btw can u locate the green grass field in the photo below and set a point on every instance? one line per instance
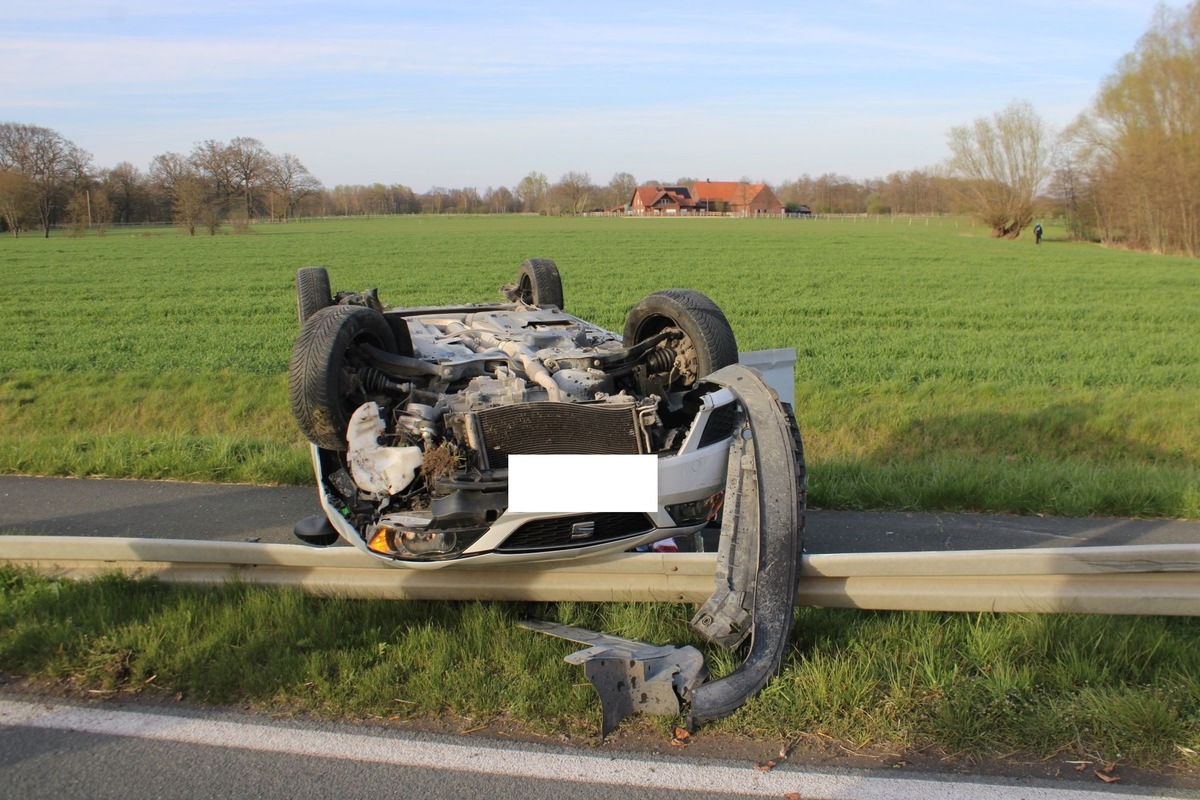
(937, 368)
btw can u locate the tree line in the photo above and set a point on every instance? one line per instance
(47, 180)
(1126, 172)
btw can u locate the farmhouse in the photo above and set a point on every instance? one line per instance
(659, 200)
(736, 198)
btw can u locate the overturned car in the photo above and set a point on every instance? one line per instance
(413, 414)
(420, 418)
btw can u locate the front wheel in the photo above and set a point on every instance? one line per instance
(705, 342)
(325, 384)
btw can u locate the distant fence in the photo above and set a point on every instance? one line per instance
(878, 219)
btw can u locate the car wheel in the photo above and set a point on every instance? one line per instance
(324, 383)
(312, 291)
(539, 284)
(707, 345)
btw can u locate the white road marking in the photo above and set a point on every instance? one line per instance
(620, 771)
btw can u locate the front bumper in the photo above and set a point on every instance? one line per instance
(693, 474)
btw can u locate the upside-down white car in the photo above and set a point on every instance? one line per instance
(414, 413)
(426, 423)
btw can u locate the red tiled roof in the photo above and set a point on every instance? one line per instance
(727, 191)
(650, 195)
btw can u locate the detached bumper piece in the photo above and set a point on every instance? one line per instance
(758, 561)
(759, 553)
(628, 675)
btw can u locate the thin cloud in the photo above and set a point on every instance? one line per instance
(308, 77)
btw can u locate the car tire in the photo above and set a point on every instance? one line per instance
(312, 291)
(324, 387)
(708, 343)
(539, 284)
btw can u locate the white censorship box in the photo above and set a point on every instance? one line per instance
(553, 484)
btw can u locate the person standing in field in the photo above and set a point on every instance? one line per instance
(1037, 233)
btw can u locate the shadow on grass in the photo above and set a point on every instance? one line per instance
(1066, 460)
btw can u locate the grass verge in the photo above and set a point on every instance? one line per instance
(971, 686)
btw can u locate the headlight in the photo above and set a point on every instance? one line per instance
(408, 536)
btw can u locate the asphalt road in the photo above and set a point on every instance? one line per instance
(166, 509)
(106, 759)
(55, 748)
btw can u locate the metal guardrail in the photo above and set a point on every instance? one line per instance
(1136, 579)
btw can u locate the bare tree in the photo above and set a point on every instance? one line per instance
(621, 188)
(187, 191)
(435, 200)
(189, 203)
(101, 210)
(126, 189)
(211, 160)
(250, 164)
(573, 192)
(532, 191)
(16, 199)
(1003, 163)
(52, 164)
(89, 208)
(466, 200)
(169, 168)
(500, 200)
(78, 212)
(293, 182)
(1070, 190)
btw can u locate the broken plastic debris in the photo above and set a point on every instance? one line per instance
(378, 470)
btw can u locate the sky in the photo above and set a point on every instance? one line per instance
(480, 94)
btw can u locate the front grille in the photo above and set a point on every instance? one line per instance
(558, 533)
(549, 428)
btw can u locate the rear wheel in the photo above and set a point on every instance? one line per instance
(539, 284)
(312, 291)
(706, 342)
(325, 384)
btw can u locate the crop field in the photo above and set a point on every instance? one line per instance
(937, 368)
